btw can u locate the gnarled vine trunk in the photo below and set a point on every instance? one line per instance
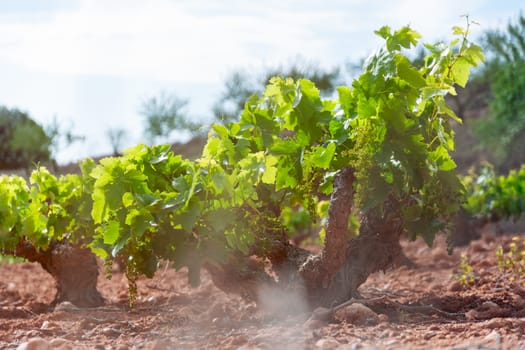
(345, 263)
(376, 248)
(74, 269)
(333, 276)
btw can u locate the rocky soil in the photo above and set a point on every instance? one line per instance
(421, 306)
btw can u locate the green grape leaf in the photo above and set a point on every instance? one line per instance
(139, 222)
(460, 71)
(270, 170)
(99, 211)
(474, 54)
(287, 146)
(189, 217)
(322, 156)
(221, 130)
(120, 244)
(127, 199)
(287, 174)
(408, 73)
(384, 32)
(111, 232)
(98, 248)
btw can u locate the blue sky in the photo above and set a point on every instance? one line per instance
(91, 63)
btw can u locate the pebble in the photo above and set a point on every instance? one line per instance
(518, 301)
(489, 305)
(357, 314)
(362, 346)
(66, 306)
(60, 343)
(487, 310)
(383, 318)
(394, 333)
(85, 323)
(122, 347)
(429, 335)
(327, 344)
(49, 326)
(42, 344)
(472, 315)
(11, 287)
(496, 323)
(157, 345)
(33, 334)
(238, 341)
(390, 342)
(263, 339)
(493, 336)
(384, 334)
(111, 332)
(34, 344)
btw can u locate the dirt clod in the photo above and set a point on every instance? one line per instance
(357, 314)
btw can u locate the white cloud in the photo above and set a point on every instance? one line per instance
(199, 41)
(128, 41)
(160, 39)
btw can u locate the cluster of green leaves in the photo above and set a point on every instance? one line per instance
(146, 205)
(44, 209)
(391, 126)
(150, 204)
(402, 138)
(494, 197)
(240, 85)
(298, 222)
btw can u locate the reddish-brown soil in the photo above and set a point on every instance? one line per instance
(423, 307)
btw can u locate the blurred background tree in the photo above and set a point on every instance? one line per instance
(116, 137)
(23, 142)
(164, 114)
(501, 130)
(61, 136)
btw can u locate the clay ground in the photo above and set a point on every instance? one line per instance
(423, 307)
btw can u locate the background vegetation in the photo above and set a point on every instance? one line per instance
(492, 108)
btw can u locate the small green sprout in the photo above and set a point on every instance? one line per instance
(465, 276)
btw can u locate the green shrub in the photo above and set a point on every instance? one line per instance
(23, 142)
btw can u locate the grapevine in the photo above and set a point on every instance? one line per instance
(379, 150)
(494, 197)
